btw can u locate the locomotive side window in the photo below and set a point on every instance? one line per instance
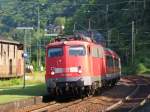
(54, 52)
(95, 52)
(77, 50)
(100, 52)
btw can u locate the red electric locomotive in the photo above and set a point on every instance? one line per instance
(78, 64)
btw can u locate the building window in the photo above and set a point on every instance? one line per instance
(4, 58)
(14, 51)
(8, 50)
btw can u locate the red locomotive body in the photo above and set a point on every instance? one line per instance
(81, 64)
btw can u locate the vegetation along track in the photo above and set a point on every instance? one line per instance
(131, 90)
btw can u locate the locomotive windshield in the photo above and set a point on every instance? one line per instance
(77, 50)
(54, 52)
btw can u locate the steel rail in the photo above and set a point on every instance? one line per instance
(129, 97)
(144, 101)
(116, 105)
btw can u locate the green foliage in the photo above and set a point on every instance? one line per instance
(60, 21)
(11, 82)
(128, 70)
(35, 65)
(69, 26)
(118, 22)
(15, 81)
(115, 19)
(141, 68)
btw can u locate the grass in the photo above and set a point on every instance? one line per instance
(9, 83)
(13, 94)
(11, 90)
(34, 78)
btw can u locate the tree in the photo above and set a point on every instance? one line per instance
(60, 21)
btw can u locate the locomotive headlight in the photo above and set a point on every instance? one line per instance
(52, 72)
(80, 71)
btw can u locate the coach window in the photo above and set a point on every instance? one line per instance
(116, 62)
(8, 50)
(55, 52)
(109, 61)
(77, 50)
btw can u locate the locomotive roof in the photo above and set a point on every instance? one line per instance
(73, 40)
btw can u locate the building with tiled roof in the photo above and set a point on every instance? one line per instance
(11, 60)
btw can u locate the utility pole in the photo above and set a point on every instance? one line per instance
(25, 55)
(38, 17)
(118, 38)
(74, 27)
(144, 4)
(25, 51)
(107, 29)
(38, 48)
(89, 29)
(133, 41)
(30, 48)
(40, 53)
(109, 37)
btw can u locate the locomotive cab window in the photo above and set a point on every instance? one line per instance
(77, 50)
(55, 52)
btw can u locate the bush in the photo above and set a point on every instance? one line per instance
(15, 81)
(35, 66)
(128, 70)
(10, 82)
(141, 68)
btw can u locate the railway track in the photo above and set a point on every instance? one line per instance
(133, 101)
(127, 96)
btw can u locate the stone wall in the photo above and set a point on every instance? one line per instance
(11, 61)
